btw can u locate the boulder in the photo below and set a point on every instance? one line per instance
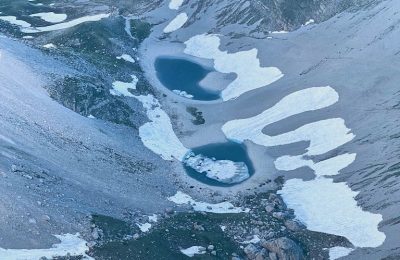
(251, 251)
(294, 225)
(284, 248)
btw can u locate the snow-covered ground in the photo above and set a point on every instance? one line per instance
(175, 4)
(121, 88)
(51, 17)
(194, 250)
(245, 64)
(70, 245)
(176, 23)
(321, 204)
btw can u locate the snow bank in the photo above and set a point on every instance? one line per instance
(329, 207)
(298, 102)
(181, 198)
(144, 227)
(176, 23)
(245, 64)
(175, 4)
(126, 57)
(158, 135)
(321, 204)
(65, 25)
(70, 244)
(121, 88)
(13, 20)
(338, 252)
(224, 171)
(51, 17)
(194, 250)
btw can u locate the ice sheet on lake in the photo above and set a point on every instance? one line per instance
(224, 171)
(194, 250)
(181, 198)
(176, 23)
(245, 64)
(175, 4)
(70, 244)
(51, 17)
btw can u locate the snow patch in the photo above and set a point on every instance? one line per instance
(176, 23)
(338, 252)
(175, 4)
(51, 17)
(182, 93)
(158, 135)
(13, 20)
(194, 250)
(65, 25)
(70, 244)
(126, 57)
(144, 227)
(121, 88)
(49, 46)
(181, 198)
(245, 64)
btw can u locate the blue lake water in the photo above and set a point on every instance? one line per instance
(220, 151)
(184, 75)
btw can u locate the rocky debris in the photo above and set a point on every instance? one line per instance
(284, 248)
(198, 227)
(169, 211)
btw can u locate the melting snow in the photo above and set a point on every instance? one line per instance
(224, 171)
(122, 88)
(70, 244)
(176, 23)
(245, 64)
(126, 57)
(181, 198)
(321, 204)
(194, 250)
(175, 4)
(51, 17)
(338, 252)
(65, 25)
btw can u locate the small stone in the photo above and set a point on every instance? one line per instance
(32, 221)
(198, 227)
(210, 247)
(279, 215)
(269, 208)
(16, 168)
(95, 234)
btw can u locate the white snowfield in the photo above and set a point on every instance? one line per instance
(338, 252)
(245, 64)
(158, 135)
(224, 171)
(70, 244)
(175, 4)
(321, 204)
(121, 88)
(51, 17)
(177, 23)
(13, 20)
(194, 250)
(65, 25)
(126, 57)
(181, 198)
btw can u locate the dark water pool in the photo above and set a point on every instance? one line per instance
(184, 75)
(220, 151)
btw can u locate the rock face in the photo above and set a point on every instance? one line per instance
(284, 248)
(275, 15)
